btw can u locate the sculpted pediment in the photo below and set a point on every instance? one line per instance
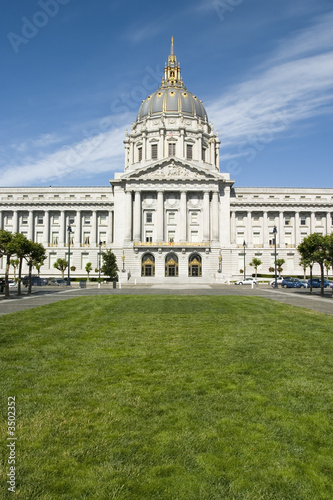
(171, 171)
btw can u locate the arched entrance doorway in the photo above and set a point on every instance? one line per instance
(195, 265)
(148, 265)
(171, 265)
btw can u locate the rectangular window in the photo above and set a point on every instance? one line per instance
(86, 239)
(203, 154)
(172, 149)
(154, 151)
(287, 221)
(40, 219)
(55, 239)
(55, 219)
(171, 217)
(149, 217)
(194, 217)
(256, 238)
(102, 220)
(288, 239)
(86, 219)
(189, 151)
(140, 154)
(24, 219)
(9, 219)
(194, 236)
(149, 236)
(319, 219)
(39, 237)
(303, 221)
(171, 236)
(102, 238)
(71, 219)
(240, 238)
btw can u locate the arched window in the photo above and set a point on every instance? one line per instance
(171, 265)
(148, 265)
(195, 265)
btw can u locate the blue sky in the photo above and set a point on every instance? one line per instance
(74, 73)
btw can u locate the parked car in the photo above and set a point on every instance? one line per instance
(35, 281)
(12, 283)
(246, 281)
(57, 282)
(316, 283)
(294, 283)
(279, 281)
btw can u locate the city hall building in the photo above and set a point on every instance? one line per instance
(170, 215)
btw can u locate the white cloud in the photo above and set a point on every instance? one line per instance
(100, 153)
(284, 91)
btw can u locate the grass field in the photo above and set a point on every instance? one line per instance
(169, 397)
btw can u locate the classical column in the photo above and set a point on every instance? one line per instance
(328, 223)
(160, 217)
(206, 216)
(15, 221)
(144, 146)
(265, 231)
(31, 226)
(225, 217)
(128, 216)
(160, 147)
(280, 237)
(233, 228)
(215, 216)
(62, 229)
(183, 217)
(137, 217)
(109, 233)
(93, 235)
(296, 229)
(1, 220)
(77, 234)
(249, 228)
(46, 232)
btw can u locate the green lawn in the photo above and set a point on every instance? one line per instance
(169, 397)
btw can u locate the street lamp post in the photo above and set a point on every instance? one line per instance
(244, 245)
(123, 259)
(99, 264)
(69, 230)
(275, 233)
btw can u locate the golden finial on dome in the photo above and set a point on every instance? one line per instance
(172, 70)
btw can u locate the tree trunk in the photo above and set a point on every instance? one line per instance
(311, 278)
(6, 277)
(30, 272)
(19, 292)
(322, 277)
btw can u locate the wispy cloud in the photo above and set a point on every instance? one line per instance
(295, 83)
(100, 153)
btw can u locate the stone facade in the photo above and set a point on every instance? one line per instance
(170, 216)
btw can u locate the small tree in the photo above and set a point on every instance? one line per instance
(271, 269)
(307, 249)
(88, 268)
(109, 267)
(255, 263)
(61, 265)
(304, 263)
(7, 249)
(36, 255)
(15, 263)
(38, 265)
(279, 264)
(73, 268)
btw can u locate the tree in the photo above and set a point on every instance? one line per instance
(271, 269)
(88, 268)
(305, 263)
(329, 248)
(255, 263)
(22, 246)
(36, 254)
(73, 268)
(15, 263)
(109, 267)
(61, 265)
(314, 248)
(279, 264)
(7, 249)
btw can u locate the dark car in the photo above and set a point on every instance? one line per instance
(316, 283)
(293, 283)
(35, 281)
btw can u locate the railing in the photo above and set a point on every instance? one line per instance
(170, 244)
